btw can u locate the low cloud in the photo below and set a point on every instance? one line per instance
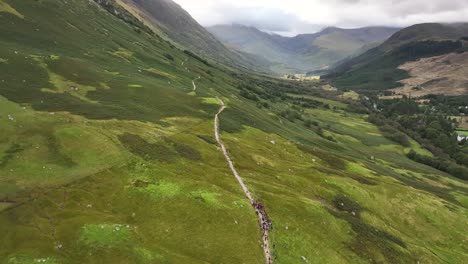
(305, 16)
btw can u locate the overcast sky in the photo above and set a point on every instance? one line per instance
(290, 17)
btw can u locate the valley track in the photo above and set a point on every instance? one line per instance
(193, 83)
(263, 219)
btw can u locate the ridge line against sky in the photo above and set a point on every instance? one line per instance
(294, 17)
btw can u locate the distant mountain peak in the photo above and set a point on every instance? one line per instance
(304, 52)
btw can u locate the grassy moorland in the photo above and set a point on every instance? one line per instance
(107, 155)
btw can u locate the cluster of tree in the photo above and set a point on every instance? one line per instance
(292, 114)
(428, 124)
(169, 56)
(308, 103)
(198, 58)
(451, 105)
(445, 165)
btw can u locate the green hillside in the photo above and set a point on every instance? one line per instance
(377, 69)
(107, 155)
(173, 22)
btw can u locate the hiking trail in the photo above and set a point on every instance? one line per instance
(264, 221)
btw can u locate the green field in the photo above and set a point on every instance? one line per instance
(332, 103)
(107, 155)
(462, 132)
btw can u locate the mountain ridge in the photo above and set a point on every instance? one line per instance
(304, 52)
(169, 19)
(381, 68)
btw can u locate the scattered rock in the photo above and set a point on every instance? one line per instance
(273, 142)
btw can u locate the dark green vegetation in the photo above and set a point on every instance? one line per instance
(430, 125)
(303, 53)
(377, 69)
(107, 157)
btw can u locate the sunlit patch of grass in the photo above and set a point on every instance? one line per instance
(25, 259)
(323, 100)
(87, 147)
(163, 189)
(105, 236)
(5, 7)
(159, 73)
(104, 85)
(145, 256)
(54, 57)
(135, 85)
(358, 169)
(62, 85)
(4, 61)
(328, 87)
(124, 54)
(351, 95)
(209, 198)
(211, 100)
(115, 73)
(415, 146)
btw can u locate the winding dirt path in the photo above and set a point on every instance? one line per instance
(193, 83)
(263, 219)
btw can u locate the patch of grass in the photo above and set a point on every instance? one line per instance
(368, 238)
(145, 150)
(209, 198)
(158, 73)
(208, 139)
(10, 153)
(350, 95)
(5, 7)
(187, 151)
(25, 259)
(105, 236)
(161, 190)
(211, 100)
(124, 54)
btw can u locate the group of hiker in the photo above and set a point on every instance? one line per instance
(265, 221)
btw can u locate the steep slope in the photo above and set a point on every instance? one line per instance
(446, 74)
(302, 53)
(108, 155)
(382, 68)
(167, 17)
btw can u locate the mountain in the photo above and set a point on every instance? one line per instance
(169, 19)
(118, 145)
(398, 63)
(302, 53)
